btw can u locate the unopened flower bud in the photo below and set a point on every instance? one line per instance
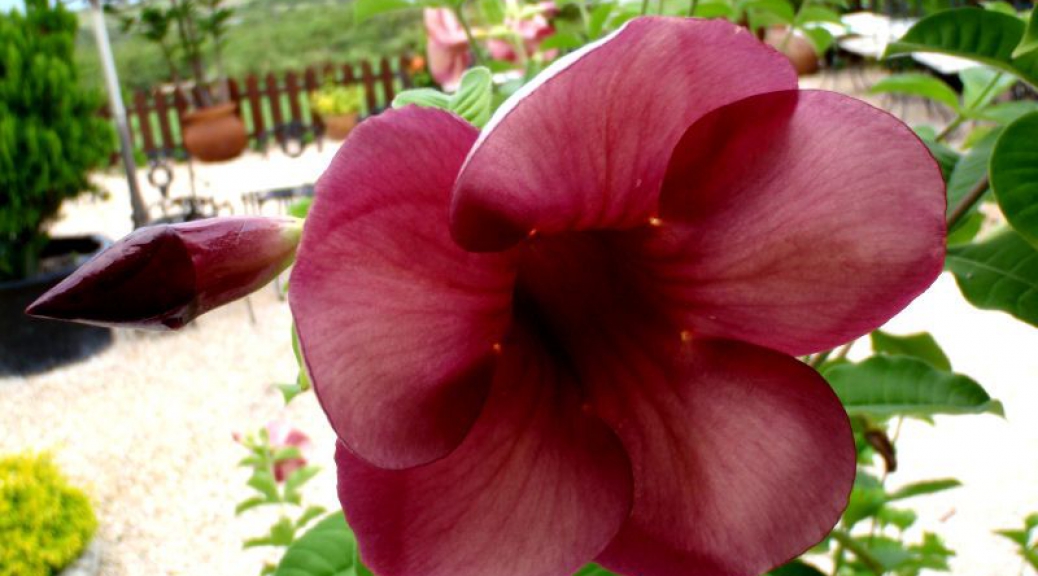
(162, 277)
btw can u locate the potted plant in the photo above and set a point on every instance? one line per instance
(186, 32)
(46, 525)
(339, 107)
(50, 138)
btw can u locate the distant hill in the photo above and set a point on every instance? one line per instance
(266, 36)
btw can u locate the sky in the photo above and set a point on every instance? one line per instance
(6, 5)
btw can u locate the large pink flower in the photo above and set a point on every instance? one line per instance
(569, 337)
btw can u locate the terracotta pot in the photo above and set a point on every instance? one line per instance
(215, 133)
(798, 50)
(339, 127)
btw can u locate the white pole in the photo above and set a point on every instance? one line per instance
(118, 110)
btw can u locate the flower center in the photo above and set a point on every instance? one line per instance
(575, 288)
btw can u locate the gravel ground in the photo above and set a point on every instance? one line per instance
(146, 426)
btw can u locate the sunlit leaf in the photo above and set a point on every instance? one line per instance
(884, 386)
(921, 346)
(1014, 175)
(1029, 42)
(473, 99)
(1000, 273)
(923, 488)
(980, 35)
(916, 84)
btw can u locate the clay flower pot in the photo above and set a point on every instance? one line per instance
(338, 127)
(215, 133)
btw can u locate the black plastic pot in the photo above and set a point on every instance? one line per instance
(31, 345)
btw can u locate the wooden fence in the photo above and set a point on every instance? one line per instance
(275, 108)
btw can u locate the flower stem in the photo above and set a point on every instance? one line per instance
(692, 8)
(962, 115)
(968, 201)
(847, 541)
(645, 7)
(459, 13)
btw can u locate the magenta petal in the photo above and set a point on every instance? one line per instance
(538, 488)
(743, 457)
(397, 324)
(796, 222)
(586, 144)
(162, 277)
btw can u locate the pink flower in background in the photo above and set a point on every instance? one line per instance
(532, 30)
(447, 47)
(162, 277)
(571, 337)
(283, 435)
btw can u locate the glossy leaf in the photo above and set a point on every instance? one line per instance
(981, 35)
(921, 346)
(915, 84)
(970, 170)
(327, 549)
(1029, 43)
(966, 230)
(923, 488)
(1014, 175)
(981, 85)
(1000, 273)
(813, 13)
(599, 16)
(1007, 112)
(884, 386)
(473, 99)
(820, 38)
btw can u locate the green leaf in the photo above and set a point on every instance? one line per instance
(902, 386)
(967, 229)
(769, 12)
(1014, 175)
(1029, 42)
(1000, 273)
(474, 96)
(254, 542)
(264, 483)
(364, 9)
(1019, 536)
(813, 13)
(1006, 112)
(309, 514)
(249, 504)
(290, 391)
(562, 41)
(424, 97)
(981, 85)
(715, 10)
(903, 519)
(866, 499)
(1000, 6)
(287, 453)
(918, 85)
(979, 35)
(283, 532)
(299, 477)
(820, 38)
(326, 549)
(796, 568)
(945, 156)
(593, 570)
(923, 488)
(921, 346)
(493, 11)
(971, 169)
(599, 16)
(300, 207)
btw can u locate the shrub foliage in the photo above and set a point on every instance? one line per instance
(50, 133)
(44, 522)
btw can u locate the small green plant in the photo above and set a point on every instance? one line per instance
(336, 100)
(1026, 539)
(51, 135)
(45, 523)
